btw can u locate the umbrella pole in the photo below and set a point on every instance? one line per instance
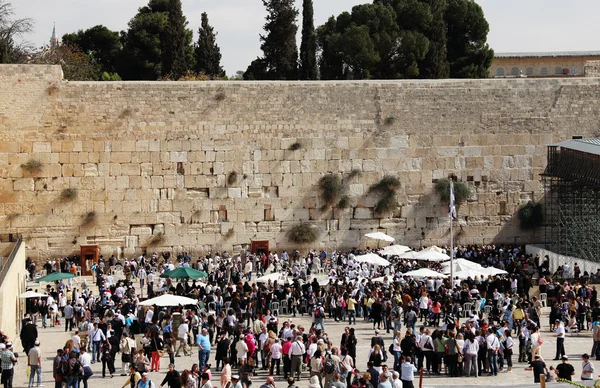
(451, 237)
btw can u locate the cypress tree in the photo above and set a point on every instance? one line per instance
(308, 47)
(175, 61)
(208, 53)
(280, 60)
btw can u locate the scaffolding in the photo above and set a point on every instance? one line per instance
(572, 198)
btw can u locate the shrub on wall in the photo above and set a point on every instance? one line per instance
(33, 166)
(232, 178)
(302, 234)
(531, 215)
(69, 194)
(89, 219)
(461, 191)
(295, 146)
(330, 188)
(386, 190)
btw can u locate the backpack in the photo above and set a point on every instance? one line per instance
(319, 313)
(329, 366)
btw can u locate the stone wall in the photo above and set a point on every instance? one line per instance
(592, 69)
(157, 158)
(541, 66)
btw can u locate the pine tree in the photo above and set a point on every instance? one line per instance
(308, 47)
(435, 64)
(175, 61)
(280, 61)
(208, 53)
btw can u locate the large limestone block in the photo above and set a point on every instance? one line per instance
(23, 184)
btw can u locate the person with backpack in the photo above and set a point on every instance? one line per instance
(145, 382)
(72, 369)
(331, 366)
(319, 316)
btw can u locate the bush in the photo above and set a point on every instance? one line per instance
(302, 234)
(232, 178)
(330, 188)
(294, 147)
(386, 189)
(461, 191)
(344, 202)
(531, 215)
(354, 173)
(69, 194)
(390, 120)
(89, 219)
(32, 166)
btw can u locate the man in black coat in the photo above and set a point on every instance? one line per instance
(28, 335)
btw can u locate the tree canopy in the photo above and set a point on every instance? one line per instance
(280, 59)
(308, 47)
(10, 29)
(207, 52)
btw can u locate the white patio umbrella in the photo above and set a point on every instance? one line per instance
(469, 273)
(461, 265)
(32, 294)
(168, 300)
(425, 273)
(408, 255)
(431, 255)
(371, 258)
(274, 277)
(494, 271)
(435, 248)
(394, 250)
(383, 280)
(379, 236)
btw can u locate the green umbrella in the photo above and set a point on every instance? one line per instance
(184, 273)
(56, 276)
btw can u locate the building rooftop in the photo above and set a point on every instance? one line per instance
(549, 54)
(590, 146)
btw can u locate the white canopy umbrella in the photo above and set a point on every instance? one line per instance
(431, 256)
(425, 273)
(168, 300)
(394, 250)
(469, 273)
(372, 258)
(408, 255)
(274, 277)
(494, 271)
(461, 265)
(435, 248)
(382, 279)
(380, 236)
(32, 294)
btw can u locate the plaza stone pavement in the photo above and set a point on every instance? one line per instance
(575, 345)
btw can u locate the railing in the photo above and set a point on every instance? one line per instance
(6, 262)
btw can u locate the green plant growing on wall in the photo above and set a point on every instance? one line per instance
(89, 219)
(232, 178)
(390, 120)
(302, 234)
(69, 194)
(344, 202)
(157, 239)
(461, 191)
(531, 215)
(386, 190)
(330, 189)
(354, 174)
(295, 146)
(220, 96)
(33, 166)
(229, 234)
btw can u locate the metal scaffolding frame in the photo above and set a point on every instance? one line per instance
(572, 199)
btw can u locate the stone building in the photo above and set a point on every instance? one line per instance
(543, 64)
(199, 166)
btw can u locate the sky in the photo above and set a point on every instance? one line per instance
(515, 25)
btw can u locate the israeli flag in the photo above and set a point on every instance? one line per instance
(452, 210)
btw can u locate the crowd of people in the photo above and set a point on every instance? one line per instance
(248, 326)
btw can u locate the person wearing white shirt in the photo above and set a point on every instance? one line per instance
(86, 364)
(297, 351)
(275, 351)
(241, 348)
(183, 333)
(560, 339)
(493, 346)
(470, 349)
(408, 373)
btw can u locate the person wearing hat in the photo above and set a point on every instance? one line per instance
(34, 361)
(145, 382)
(235, 382)
(565, 370)
(319, 316)
(7, 359)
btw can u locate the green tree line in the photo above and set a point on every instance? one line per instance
(385, 39)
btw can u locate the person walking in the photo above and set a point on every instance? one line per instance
(565, 370)
(34, 362)
(560, 339)
(297, 352)
(203, 342)
(407, 373)
(68, 313)
(7, 361)
(508, 350)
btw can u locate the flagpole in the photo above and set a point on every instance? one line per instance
(451, 237)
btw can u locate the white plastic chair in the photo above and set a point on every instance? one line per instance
(467, 308)
(544, 299)
(275, 308)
